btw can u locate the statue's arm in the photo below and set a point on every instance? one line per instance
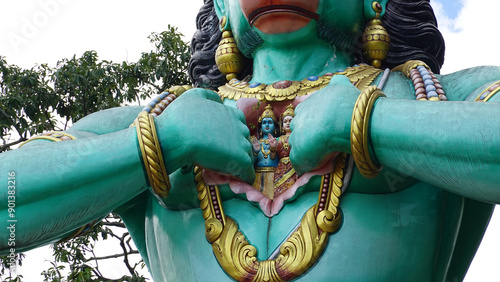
(454, 145)
(61, 186)
(58, 187)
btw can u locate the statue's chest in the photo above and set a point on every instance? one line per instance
(177, 239)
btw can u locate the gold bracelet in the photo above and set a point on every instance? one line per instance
(151, 154)
(359, 131)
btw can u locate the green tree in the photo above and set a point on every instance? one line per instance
(42, 98)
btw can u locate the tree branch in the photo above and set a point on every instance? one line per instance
(50, 121)
(4, 147)
(154, 85)
(110, 256)
(116, 224)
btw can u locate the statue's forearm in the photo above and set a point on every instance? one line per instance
(61, 186)
(453, 145)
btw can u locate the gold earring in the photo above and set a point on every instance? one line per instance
(228, 57)
(375, 39)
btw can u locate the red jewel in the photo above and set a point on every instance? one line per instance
(282, 84)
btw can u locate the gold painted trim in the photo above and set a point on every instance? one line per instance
(408, 66)
(492, 93)
(361, 76)
(297, 255)
(50, 137)
(360, 131)
(284, 178)
(265, 169)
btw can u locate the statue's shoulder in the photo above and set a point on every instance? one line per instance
(470, 84)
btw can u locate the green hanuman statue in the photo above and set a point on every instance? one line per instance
(319, 143)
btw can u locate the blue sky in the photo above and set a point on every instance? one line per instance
(451, 7)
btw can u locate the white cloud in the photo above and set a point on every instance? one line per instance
(471, 37)
(32, 31)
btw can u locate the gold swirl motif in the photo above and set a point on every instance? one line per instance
(213, 229)
(301, 250)
(267, 272)
(151, 154)
(328, 220)
(359, 131)
(235, 255)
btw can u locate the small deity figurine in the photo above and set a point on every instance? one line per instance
(264, 150)
(284, 176)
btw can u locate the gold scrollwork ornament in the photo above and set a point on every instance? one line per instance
(296, 255)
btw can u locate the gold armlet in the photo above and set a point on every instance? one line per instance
(489, 92)
(425, 82)
(360, 131)
(54, 136)
(151, 154)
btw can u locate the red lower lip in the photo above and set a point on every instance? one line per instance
(254, 15)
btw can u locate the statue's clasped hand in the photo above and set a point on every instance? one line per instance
(322, 125)
(198, 129)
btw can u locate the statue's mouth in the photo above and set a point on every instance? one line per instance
(255, 14)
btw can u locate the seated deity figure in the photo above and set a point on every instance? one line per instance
(397, 167)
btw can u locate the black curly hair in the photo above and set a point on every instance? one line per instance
(411, 24)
